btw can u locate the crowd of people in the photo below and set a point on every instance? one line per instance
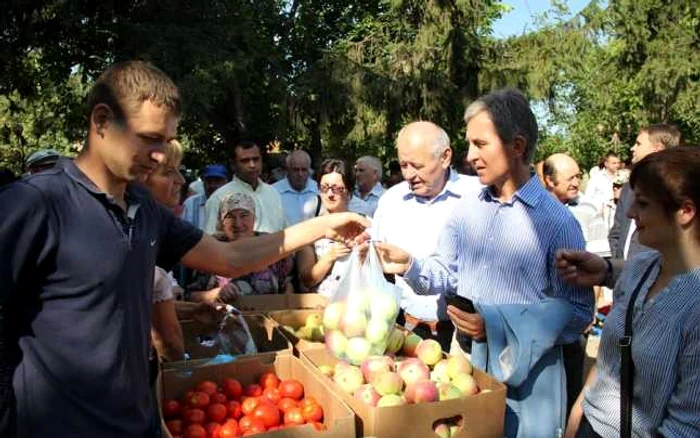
(102, 256)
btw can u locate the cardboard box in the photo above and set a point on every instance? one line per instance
(268, 303)
(295, 319)
(338, 418)
(266, 335)
(482, 415)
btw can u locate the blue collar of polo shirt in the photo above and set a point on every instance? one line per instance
(377, 191)
(529, 193)
(447, 190)
(68, 166)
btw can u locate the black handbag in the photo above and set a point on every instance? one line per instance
(626, 364)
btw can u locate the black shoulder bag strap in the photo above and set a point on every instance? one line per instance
(626, 364)
(318, 205)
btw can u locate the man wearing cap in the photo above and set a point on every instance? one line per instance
(41, 160)
(193, 210)
(299, 193)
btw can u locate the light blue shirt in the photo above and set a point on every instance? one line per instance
(414, 224)
(298, 205)
(665, 352)
(504, 253)
(193, 210)
(371, 198)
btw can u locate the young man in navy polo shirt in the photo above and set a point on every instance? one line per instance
(78, 245)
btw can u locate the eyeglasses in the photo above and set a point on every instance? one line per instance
(337, 190)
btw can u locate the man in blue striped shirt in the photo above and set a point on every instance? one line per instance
(498, 248)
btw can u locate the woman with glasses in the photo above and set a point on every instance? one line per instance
(323, 265)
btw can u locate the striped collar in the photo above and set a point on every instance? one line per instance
(529, 193)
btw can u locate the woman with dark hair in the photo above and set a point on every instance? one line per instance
(656, 309)
(323, 265)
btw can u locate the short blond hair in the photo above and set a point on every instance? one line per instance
(173, 153)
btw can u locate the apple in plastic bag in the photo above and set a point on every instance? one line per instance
(377, 331)
(384, 306)
(337, 343)
(332, 315)
(357, 350)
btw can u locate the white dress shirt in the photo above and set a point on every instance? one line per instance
(414, 224)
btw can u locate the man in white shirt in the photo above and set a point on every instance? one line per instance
(213, 176)
(600, 186)
(247, 167)
(298, 191)
(368, 179)
(412, 214)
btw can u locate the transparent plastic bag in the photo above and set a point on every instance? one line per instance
(362, 312)
(233, 336)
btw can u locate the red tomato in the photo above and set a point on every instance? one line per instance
(268, 414)
(207, 387)
(234, 409)
(193, 416)
(256, 426)
(232, 388)
(269, 380)
(253, 390)
(217, 412)
(294, 417)
(245, 422)
(213, 430)
(249, 405)
(291, 388)
(312, 412)
(199, 400)
(195, 431)
(272, 395)
(218, 397)
(286, 404)
(229, 429)
(171, 408)
(307, 401)
(174, 426)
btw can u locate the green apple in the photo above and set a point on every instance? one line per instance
(314, 320)
(410, 343)
(391, 400)
(377, 330)
(395, 342)
(357, 350)
(354, 323)
(333, 314)
(442, 430)
(454, 430)
(448, 391)
(305, 333)
(439, 373)
(384, 306)
(466, 384)
(457, 365)
(429, 351)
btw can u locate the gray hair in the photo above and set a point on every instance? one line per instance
(296, 154)
(440, 142)
(511, 115)
(373, 163)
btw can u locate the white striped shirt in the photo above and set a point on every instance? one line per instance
(665, 352)
(503, 253)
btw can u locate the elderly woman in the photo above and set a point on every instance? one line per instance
(164, 184)
(657, 298)
(236, 222)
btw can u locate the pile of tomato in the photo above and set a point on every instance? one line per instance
(231, 410)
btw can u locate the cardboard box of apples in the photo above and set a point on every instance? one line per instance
(274, 397)
(303, 328)
(415, 391)
(266, 336)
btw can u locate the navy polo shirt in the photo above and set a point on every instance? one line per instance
(76, 279)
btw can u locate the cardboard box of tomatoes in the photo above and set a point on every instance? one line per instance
(432, 404)
(269, 303)
(266, 336)
(304, 328)
(275, 397)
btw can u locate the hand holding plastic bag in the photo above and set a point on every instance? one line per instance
(361, 314)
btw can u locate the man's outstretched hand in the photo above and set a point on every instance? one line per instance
(581, 268)
(346, 227)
